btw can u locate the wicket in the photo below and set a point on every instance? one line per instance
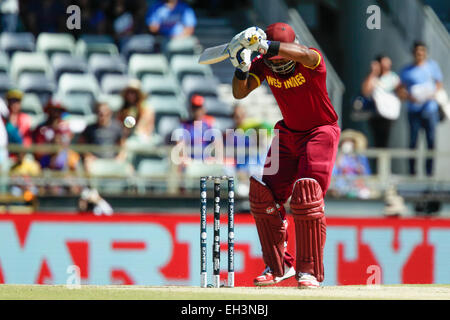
(216, 240)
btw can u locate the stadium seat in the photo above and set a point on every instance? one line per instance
(4, 63)
(11, 42)
(78, 83)
(140, 43)
(114, 101)
(85, 48)
(30, 62)
(5, 84)
(153, 173)
(102, 64)
(142, 64)
(153, 167)
(183, 46)
(64, 63)
(216, 107)
(38, 84)
(79, 111)
(169, 104)
(165, 124)
(51, 43)
(32, 106)
(110, 168)
(156, 85)
(183, 65)
(77, 104)
(96, 38)
(114, 83)
(198, 168)
(205, 86)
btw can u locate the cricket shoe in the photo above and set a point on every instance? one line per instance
(307, 281)
(268, 279)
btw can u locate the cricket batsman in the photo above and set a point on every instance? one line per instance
(308, 137)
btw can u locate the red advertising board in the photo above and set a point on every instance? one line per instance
(163, 249)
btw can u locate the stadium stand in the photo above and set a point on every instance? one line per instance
(142, 64)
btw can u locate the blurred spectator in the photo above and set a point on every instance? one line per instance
(379, 86)
(9, 10)
(171, 18)
(419, 83)
(351, 167)
(124, 22)
(107, 131)
(134, 105)
(4, 155)
(195, 127)
(91, 202)
(94, 16)
(64, 159)
(46, 132)
(26, 166)
(247, 140)
(45, 15)
(19, 121)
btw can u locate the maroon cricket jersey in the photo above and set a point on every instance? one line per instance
(301, 95)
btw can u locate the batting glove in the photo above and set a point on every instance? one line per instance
(249, 38)
(240, 57)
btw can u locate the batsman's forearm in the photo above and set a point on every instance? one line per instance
(240, 88)
(298, 52)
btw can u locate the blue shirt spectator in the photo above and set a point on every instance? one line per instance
(419, 83)
(171, 18)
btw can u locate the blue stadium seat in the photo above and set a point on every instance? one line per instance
(64, 63)
(102, 64)
(11, 42)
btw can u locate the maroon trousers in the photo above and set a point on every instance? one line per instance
(301, 154)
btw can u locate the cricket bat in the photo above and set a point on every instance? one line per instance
(218, 53)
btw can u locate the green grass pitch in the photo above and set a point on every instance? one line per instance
(90, 292)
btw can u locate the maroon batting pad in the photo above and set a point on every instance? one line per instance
(307, 206)
(271, 229)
